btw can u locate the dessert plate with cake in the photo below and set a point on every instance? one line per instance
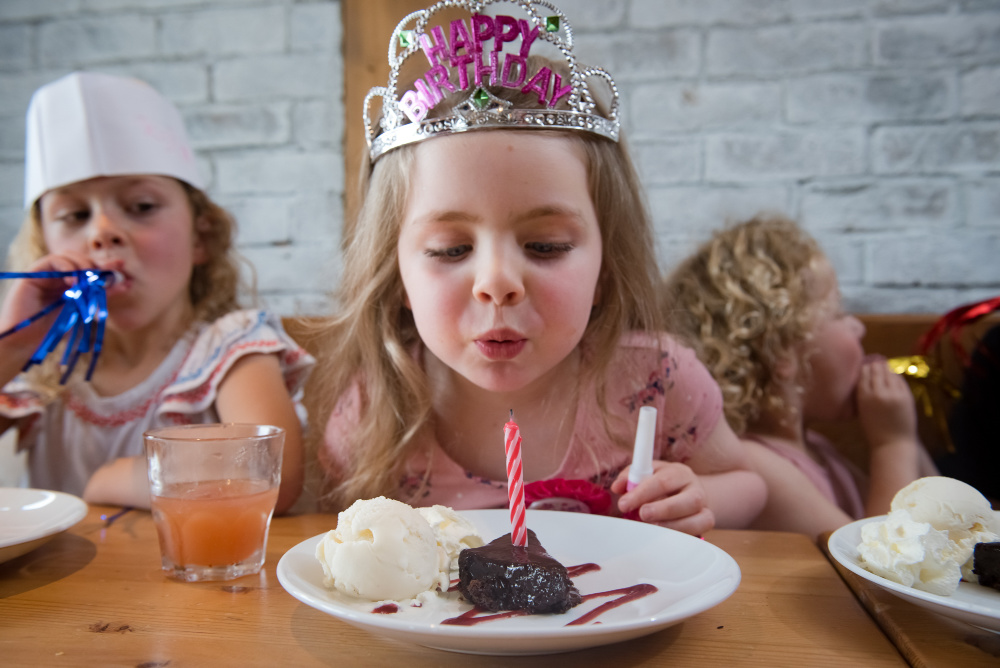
(633, 579)
(971, 603)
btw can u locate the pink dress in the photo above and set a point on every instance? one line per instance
(667, 376)
(835, 476)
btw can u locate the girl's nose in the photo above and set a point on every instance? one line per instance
(105, 233)
(498, 278)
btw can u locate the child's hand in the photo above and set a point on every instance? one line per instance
(28, 296)
(886, 408)
(672, 497)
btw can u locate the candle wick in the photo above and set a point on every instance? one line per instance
(511, 413)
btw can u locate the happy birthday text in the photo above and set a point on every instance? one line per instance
(463, 50)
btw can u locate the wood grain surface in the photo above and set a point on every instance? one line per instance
(95, 595)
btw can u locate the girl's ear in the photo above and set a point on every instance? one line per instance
(201, 228)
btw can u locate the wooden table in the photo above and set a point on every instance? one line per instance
(925, 638)
(95, 595)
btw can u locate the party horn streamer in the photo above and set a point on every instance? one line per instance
(83, 310)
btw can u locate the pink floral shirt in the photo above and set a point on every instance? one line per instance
(663, 374)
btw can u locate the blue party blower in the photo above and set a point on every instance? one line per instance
(83, 308)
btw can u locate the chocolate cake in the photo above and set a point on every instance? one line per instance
(500, 576)
(986, 564)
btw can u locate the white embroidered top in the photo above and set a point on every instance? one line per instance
(70, 438)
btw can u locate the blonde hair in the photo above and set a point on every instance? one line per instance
(743, 300)
(214, 286)
(371, 339)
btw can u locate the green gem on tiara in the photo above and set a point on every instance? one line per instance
(480, 98)
(551, 24)
(407, 38)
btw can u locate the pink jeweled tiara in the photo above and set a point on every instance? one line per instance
(472, 56)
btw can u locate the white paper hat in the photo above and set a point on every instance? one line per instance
(88, 124)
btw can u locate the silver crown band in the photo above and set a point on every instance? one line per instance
(405, 119)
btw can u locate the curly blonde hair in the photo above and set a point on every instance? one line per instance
(744, 300)
(373, 335)
(215, 285)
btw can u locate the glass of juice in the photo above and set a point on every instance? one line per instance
(213, 488)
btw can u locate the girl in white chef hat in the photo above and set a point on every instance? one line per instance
(112, 184)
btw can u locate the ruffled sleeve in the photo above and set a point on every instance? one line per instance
(220, 345)
(18, 400)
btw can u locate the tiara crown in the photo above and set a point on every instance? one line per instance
(472, 55)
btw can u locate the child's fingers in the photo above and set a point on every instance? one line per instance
(671, 508)
(882, 381)
(668, 479)
(697, 525)
(619, 484)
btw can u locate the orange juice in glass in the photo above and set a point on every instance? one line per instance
(213, 488)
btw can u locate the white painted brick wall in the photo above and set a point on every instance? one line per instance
(876, 123)
(873, 122)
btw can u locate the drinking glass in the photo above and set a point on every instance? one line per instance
(213, 488)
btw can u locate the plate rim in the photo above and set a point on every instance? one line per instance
(73, 511)
(543, 639)
(940, 603)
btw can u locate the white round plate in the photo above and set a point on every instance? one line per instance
(31, 517)
(971, 603)
(691, 576)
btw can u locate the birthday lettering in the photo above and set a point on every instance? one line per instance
(464, 50)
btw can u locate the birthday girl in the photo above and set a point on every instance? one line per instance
(112, 185)
(503, 260)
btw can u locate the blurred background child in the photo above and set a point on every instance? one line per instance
(509, 268)
(111, 183)
(761, 305)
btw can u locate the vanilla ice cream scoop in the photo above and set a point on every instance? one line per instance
(454, 533)
(381, 550)
(947, 504)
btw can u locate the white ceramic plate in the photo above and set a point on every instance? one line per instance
(690, 575)
(31, 517)
(971, 603)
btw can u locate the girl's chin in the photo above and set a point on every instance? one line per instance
(500, 381)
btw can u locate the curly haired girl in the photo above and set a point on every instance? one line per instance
(760, 303)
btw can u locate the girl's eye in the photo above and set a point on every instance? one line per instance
(548, 250)
(450, 253)
(143, 207)
(74, 217)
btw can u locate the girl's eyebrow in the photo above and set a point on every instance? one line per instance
(548, 210)
(544, 211)
(445, 216)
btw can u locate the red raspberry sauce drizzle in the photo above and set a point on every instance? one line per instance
(627, 594)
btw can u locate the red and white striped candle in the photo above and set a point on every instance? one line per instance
(515, 482)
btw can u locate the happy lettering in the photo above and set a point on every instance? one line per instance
(466, 52)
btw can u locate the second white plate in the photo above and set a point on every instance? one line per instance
(31, 517)
(971, 603)
(691, 576)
